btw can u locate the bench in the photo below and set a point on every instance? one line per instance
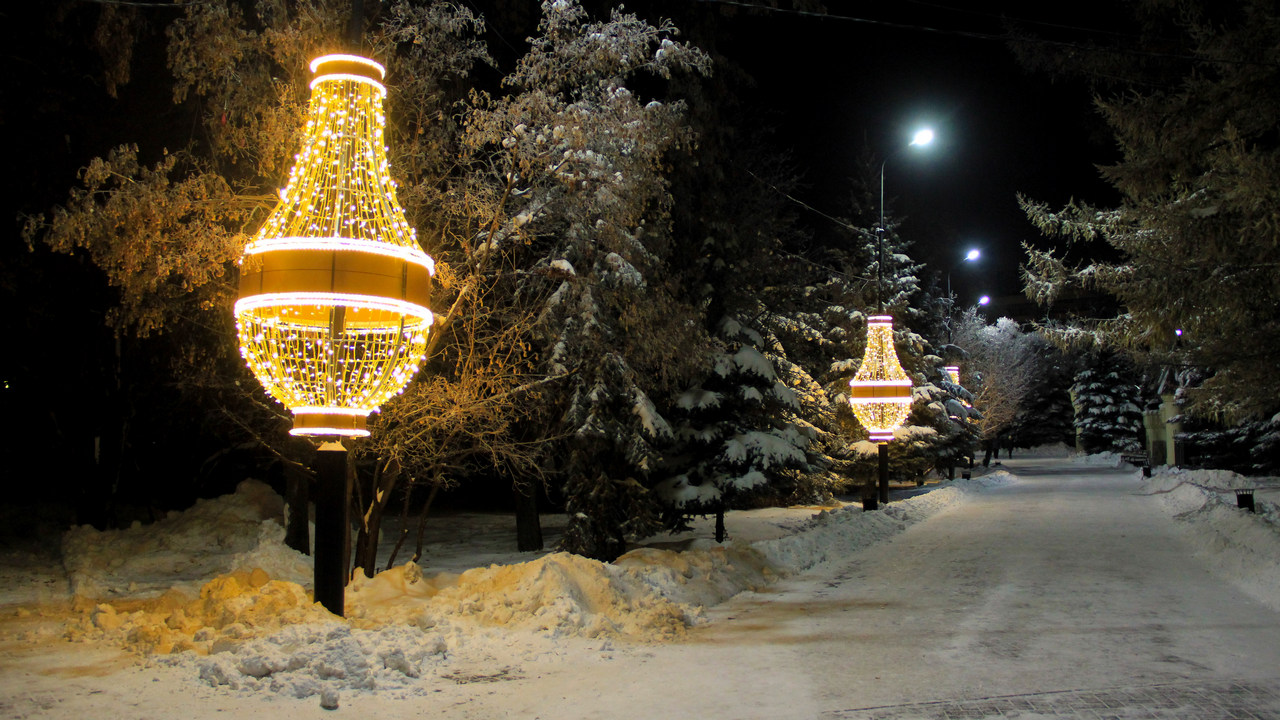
(1244, 499)
(1138, 461)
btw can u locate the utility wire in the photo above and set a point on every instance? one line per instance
(1002, 37)
(1024, 21)
(143, 4)
(807, 206)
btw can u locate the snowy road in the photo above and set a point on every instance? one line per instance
(1068, 594)
(1068, 589)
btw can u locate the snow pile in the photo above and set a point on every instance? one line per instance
(558, 595)
(229, 609)
(1057, 450)
(185, 549)
(324, 658)
(1243, 547)
(1101, 459)
(833, 534)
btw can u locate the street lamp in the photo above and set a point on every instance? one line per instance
(880, 393)
(984, 300)
(333, 314)
(921, 138)
(970, 256)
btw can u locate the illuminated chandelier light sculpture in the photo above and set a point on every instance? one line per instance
(953, 372)
(880, 392)
(332, 311)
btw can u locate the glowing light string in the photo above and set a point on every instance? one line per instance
(333, 310)
(880, 392)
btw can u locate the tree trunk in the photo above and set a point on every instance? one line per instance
(297, 534)
(528, 524)
(384, 481)
(422, 523)
(720, 532)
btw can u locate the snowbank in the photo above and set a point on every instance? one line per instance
(1243, 547)
(833, 534)
(1102, 459)
(185, 549)
(215, 590)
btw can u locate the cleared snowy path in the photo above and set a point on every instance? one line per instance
(1064, 595)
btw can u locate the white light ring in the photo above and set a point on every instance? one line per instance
(382, 89)
(880, 320)
(331, 410)
(880, 383)
(347, 57)
(400, 252)
(323, 431)
(880, 401)
(370, 302)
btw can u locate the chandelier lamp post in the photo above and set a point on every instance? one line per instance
(953, 372)
(880, 393)
(333, 314)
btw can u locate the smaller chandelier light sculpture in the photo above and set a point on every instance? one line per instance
(953, 372)
(332, 311)
(880, 392)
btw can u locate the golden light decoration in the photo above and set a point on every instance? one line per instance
(332, 312)
(953, 372)
(880, 392)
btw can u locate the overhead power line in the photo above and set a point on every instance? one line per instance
(144, 4)
(998, 37)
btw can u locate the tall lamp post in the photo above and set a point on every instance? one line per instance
(970, 256)
(880, 392)
(921, 138)
(333, 314)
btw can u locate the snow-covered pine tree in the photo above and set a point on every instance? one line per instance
(582, 155)
(810, 322)
(946, 408)
(733, 433)
(1047, 416)
(1192, 98)
(1108, 410)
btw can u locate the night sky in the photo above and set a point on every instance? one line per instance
(837, 84)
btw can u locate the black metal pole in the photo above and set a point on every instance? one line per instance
(333, 494)
(884, 472)
(880, 245)
(355, 27)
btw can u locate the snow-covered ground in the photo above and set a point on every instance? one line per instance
(210, 604)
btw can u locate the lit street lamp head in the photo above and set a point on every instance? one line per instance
(923, 136)
(972, 255)
(984, 300)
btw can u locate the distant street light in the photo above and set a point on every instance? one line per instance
(970, 256)
(984, 300)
